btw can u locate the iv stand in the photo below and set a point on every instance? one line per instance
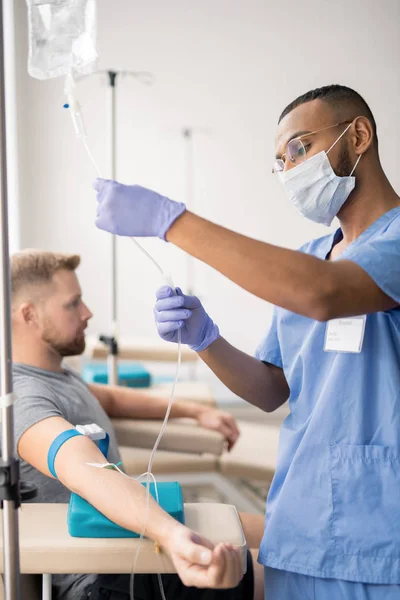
(9, 464)
(111, 340)
(188, 171)
(187, 134)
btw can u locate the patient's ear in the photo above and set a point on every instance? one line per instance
(26, 314)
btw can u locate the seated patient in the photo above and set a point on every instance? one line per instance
(49, 320)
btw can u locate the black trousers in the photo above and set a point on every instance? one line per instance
(116, 587)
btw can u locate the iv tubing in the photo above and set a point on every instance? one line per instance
(78, 123)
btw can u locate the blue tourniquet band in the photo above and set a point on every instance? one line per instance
(56, 445)
(62, 438)
(103, 445)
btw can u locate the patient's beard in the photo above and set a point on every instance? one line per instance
(73, 347)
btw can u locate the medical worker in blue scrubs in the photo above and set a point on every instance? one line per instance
(332, 528)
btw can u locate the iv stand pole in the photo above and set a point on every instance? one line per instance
(189, 200)
(111, 341)
(188, 171)
(9, 465)
(112, 359)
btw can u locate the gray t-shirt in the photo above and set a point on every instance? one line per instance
(42, 394)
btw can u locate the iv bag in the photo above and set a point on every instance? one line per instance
(62, 37)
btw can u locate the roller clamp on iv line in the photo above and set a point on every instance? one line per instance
(84, 520)
(74, 106)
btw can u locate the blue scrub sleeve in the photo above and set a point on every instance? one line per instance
(269, 350)
(380, 258)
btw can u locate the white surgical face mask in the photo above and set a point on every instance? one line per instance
(314, 188)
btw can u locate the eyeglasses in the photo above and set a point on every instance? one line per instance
(296, 151)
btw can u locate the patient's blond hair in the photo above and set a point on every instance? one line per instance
(32, 268)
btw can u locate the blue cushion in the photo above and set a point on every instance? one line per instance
(86, 521)
(130, 374)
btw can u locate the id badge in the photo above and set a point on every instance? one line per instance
(345, 335)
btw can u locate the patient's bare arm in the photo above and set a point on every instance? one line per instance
(196, 559)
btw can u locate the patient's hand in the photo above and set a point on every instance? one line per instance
(201, 564)
(217, 420)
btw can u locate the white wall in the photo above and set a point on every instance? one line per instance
(225, 68)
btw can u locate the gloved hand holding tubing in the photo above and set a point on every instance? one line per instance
(186, 313)
(134, 211)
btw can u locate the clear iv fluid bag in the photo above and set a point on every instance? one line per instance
(62, 37)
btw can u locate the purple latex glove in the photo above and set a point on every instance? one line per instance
(132, 210)
(173, 312)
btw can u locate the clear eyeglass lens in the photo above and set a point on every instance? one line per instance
(279, 165)
(295, 151)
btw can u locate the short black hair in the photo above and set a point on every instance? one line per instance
(347, 103)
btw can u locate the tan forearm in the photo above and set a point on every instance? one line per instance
(286, 278)
(259, 384)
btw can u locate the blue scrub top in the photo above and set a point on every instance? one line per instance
(333, 509)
